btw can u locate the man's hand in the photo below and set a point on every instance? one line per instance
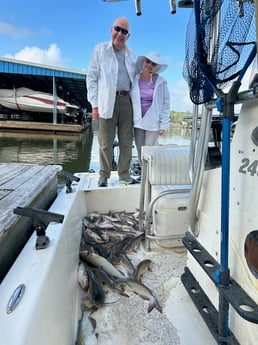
(95, 113)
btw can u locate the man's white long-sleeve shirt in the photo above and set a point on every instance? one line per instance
(102, 77)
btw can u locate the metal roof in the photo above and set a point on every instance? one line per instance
(70, 84)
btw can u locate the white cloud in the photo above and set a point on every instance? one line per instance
(179, 91)
(180, 99)
(247, 78)
(50, 56)
(13, 31)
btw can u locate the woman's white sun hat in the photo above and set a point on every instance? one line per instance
(154, 57)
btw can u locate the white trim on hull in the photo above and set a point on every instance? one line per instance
(24, 99)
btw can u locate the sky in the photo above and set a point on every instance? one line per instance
(64, 33)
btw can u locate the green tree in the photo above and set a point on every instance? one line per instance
(177, 116)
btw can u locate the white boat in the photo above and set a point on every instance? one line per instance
(24, 99)
(197, 211)
(40, 298)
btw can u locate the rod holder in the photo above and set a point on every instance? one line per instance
(69, 178)
(40, 220)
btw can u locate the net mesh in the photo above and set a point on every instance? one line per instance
(219, 38)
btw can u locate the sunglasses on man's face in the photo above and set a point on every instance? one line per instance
(154, 64)
(118, 29)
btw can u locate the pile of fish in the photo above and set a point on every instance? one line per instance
(106, 241)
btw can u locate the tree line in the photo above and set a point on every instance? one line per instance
(180, 116)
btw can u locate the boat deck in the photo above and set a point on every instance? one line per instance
(125, 320)
(121, 320)
(23, 185)
(90, 182)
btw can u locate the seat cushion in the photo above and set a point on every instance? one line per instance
(167, 165)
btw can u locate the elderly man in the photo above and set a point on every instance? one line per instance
(110, 75)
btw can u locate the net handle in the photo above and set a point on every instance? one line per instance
(202, 56)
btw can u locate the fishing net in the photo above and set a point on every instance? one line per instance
(219, 38)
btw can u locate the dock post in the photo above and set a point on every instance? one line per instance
(55, 102)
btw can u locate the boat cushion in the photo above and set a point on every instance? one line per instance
(167, 165)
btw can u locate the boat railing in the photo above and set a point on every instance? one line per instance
(164, 174)
(149, 231)
(197, 158)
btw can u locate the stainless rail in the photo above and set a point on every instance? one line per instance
(148, 218)
(198, 167)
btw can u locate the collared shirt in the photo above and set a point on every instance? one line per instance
(102, 77)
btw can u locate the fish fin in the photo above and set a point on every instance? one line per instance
(154, 304)
(91, 251)
(93, 322)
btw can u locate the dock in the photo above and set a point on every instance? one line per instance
(43, 126)
(22, 185)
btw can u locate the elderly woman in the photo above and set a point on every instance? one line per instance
(151, 101)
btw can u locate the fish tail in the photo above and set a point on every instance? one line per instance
(154, 304)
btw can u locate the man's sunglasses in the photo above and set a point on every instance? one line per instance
(118, 29)
(154, 64)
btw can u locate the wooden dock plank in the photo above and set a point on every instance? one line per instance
(18, 174)
(7, 173)
(43, 126)
(3, 193)
(23, 185)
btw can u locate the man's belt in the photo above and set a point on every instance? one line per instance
(122, 93)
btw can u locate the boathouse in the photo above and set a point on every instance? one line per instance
(67, 84)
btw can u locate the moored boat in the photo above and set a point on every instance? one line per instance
(25, 99)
